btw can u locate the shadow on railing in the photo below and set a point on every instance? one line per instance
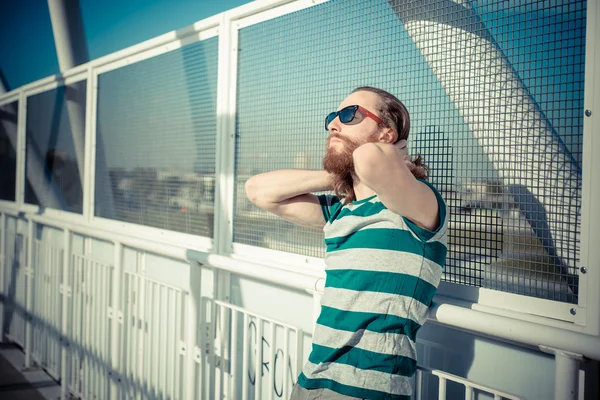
(153, 339)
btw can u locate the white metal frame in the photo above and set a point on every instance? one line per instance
(590, 213)
(278, 267)
(11, 97)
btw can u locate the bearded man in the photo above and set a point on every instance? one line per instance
(386, 237)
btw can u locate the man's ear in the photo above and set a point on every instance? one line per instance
(388, 136)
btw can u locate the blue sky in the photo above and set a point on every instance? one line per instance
(110, 25)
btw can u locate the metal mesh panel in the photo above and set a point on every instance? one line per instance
(8, 144)
(495, 92)
(156, 139)
(55, 148)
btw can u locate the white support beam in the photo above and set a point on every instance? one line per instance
(71, 50)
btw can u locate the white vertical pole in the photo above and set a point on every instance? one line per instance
(173, 376)
(211, 339)
(142, 332)
(193, 301)
(115, 371)
(66, 296)
(272, 360)
(418, 385)
(468, 392)
(286, 354)
(566, 375)
(299, 355)
(177, 381)
(590, 212)
(34, 164)
(164, 341)
(233, 360)
(223, 336)
(125, 375)
(29, 296)
(225, 159)
(87, 317)
(71, 50)
(245, 360)
(88, 178)
(442, 389)
(258, 360)
(2, 269)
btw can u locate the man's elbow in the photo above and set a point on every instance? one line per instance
(368, 162)
(252, 190)
(255, 194)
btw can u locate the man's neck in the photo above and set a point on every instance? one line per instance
(361, 191)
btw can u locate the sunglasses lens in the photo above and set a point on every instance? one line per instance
(328, 120)
(347, 114)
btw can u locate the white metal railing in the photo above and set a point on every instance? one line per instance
(236, 331)
(88, 297)
(152, 359)
(156, 340)
(470, 386)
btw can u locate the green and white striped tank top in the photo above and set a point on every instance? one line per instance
(382, 273)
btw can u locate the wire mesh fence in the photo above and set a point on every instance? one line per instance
(156, 139)
(495, 93)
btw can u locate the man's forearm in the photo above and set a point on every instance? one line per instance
(277, 186)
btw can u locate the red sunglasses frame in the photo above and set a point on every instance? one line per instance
(363, 110)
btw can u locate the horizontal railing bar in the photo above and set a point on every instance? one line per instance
(514, 330)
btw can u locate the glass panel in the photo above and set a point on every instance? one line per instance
(495, 92)
(156, 139)
(9, 115)
(55, 148)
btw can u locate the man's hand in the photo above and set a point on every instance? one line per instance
(402, 148)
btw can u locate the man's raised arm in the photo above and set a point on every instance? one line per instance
(288, 194)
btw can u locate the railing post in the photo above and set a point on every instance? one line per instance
(116, 321)
(2, 269)
(566, 373)
(194, 308)
(65, 290)
(418, 389)
(29, 297)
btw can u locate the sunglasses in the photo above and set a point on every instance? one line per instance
(347, 114)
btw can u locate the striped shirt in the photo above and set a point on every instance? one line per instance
(382, 273)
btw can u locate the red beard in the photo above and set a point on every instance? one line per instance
(339, 163)
(338, 159)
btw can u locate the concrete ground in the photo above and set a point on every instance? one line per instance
(16, 383)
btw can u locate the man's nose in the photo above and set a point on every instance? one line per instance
(335, 125)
